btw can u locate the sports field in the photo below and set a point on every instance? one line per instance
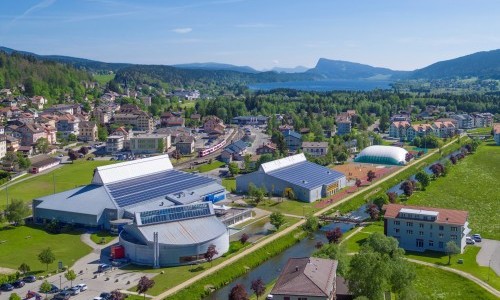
(359, 170)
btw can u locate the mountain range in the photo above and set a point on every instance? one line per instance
(481, 64)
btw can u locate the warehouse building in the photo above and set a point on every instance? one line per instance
(387, 155)
(308, 181)
(119, 191)
(175, 235)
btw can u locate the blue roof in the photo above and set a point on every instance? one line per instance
(307, 174)
(292, 133)
(236, 146)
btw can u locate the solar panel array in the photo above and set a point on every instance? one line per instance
(144, 188)
(307, 174)
(175, 213)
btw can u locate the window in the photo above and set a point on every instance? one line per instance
(421, 225)
(409, 231)
(430, 226)
(441, 227)
(454, 228)
(396, 222)
(286, 298)
(396, 230)
(420, 243)
(441, 244)
(302, 298)
(431, 243)
(441, 235)
(420, 233)
(453, 236)
(409, 224)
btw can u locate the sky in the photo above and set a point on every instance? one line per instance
(398, 34)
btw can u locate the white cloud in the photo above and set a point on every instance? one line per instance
(182, 30)
(41, 5)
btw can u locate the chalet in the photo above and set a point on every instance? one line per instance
(234, 151)
(185, 144)
(213, 124)
(269, 148)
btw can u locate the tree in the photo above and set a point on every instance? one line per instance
(16, 211)
(72, 137)
(70, 275)
(392, 197)
(238, 292)
(161, 145)
(337, 252)
(342, 157)
(358, 182)
(22, 161)
(319, 245)
(258, 287)
(380, 201)
(73, 155)
(83, 150)
(453, 159)
(408, 157)
(452, 249)
(117, 295)
(423, 178)
(24, 268)
(244, 238)
(46, 257)
(384, 122)
(144, 285)
(334, 235)
(234, 169)
(277, 219)
(311, 224)
(14, 296)
(211, 252)
(370, 175)
(408, 187)
(437, 169)
(373, 211)
(45, 288)
(42, 145)
(102, 133)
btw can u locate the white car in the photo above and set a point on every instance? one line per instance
(98, 298)
(469, 241)
(82, 287)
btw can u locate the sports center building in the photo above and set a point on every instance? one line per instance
(386, 155)
(308, 181)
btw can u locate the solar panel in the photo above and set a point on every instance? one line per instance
(153, 186)
(307, 174)
(175, 213)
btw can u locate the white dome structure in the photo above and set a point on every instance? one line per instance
(387, 155)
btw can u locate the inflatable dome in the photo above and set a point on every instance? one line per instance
(387, 155)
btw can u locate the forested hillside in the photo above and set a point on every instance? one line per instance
(50, 79)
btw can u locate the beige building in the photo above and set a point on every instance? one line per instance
(315, 148)
(88, 131)
(149, 143)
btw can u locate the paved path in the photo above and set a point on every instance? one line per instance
(468, 276)
(271, 238)
(489, 255)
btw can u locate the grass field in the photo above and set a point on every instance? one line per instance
(209, 167)
(286, 206)
(469, 264)
(471, 185)
(435, 284)
(104, 78)
(24, 243)
(482, 130)
(229, 184)
(354, 243)
(102, 236)
(66, 177)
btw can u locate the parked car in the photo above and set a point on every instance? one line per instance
(98, 298)
(7, 287)
(105, 296)
(29, 278)
(74, 290)
(53, 289)
(469, 241)
(477, 237)
(64, 295)
(103, 268)
(82, 287)
(32, 296)
(18, 284)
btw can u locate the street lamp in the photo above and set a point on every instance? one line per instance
(60, 279)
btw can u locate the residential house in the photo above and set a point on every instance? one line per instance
(400, 117)
(482, 119)
(3, 145)
(496, 133)
(266, 148)
(5, 92)
(464, 121)
(315, 148)
(185, 144)
(344, 124)
(135, 117)
(65, 109)
(30, 133)
(103, 114)
(170, 120)
(285, 127)
(149, 143)
(174, 132)
(12, 143)
(50, 132)
(293, 140)
(310, 278)
(250, 120)
(398, 129)
(38, 102)
(444, 129)
(68, 124)
(195, 117)
(88, 131)
(213, 124)
(114, 144)
(419, 228)
(419, 130)
(234, 151)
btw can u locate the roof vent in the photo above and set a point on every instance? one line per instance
(304, 181)
(296, 268)
(161, 203)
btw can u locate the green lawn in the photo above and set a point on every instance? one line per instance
(286, 206)
(435, 284)
(229, 184)
(354, 243)
(104, 78)
(22, 244)
(212, 166)
(470, 185)
(482, 130)
(66, 177)
(102, 237)
(469, 265)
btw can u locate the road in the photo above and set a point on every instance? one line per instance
(272, 238)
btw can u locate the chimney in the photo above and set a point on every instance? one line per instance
(296, 268)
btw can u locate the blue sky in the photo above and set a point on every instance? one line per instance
(399, 34)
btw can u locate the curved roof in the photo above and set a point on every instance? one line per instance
(283, 162)
(382, 155)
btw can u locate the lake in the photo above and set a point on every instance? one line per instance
(325, 86)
